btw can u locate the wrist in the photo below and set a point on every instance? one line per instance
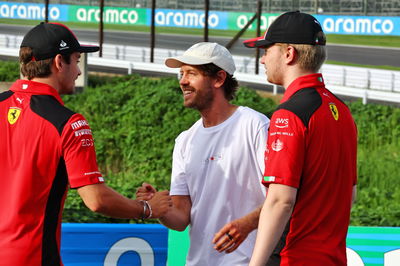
(147, 210)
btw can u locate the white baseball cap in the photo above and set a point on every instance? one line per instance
(204, 53)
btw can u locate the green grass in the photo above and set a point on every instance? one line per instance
(332, 62)
(368, 40)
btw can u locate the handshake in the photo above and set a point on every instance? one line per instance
(155, 204)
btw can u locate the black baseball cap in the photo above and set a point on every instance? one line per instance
(49, 39)
(292, 27)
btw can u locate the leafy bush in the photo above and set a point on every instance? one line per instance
(378, 199)
(9, 71)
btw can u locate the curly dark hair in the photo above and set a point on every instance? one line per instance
(230, 85)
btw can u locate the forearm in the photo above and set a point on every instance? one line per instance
(251, 219)
(108, 202)
(274, 216)
(178, 217)
(273, 219)
(175, 219)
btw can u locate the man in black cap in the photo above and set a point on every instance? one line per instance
(45, 148)
(310, 168)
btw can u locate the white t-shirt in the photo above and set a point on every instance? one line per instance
(221, 168)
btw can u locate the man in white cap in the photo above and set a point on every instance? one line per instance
(217, 163)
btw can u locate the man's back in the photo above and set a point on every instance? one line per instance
(35, 130)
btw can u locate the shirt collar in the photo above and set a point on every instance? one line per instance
(307, 81)
(37, 88)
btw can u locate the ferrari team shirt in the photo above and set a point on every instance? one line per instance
(312, 146)
(44, 147)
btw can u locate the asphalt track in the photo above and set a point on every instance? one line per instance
(365, 55)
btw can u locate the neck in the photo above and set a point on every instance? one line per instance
(49, 81)
(293, 74)
(217, 113)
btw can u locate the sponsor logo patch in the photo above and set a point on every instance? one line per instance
(282, 122)
(79, 123)
(63, 45)
(334, 111)
(277, 145)
(214, 158)
(82, 132)
(13, 114)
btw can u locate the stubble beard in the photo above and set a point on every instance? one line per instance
(201, 101)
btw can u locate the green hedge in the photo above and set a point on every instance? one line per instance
(135, 121)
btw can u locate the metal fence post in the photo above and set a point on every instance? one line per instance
(392, 82)
(344, 77)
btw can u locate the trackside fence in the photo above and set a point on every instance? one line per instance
(356, 82)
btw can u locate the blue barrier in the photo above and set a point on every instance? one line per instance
(114, 244)
(149, 244)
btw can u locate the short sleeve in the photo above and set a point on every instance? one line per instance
(178, 177)
(260, 145)
(79, 153)
(284, 156)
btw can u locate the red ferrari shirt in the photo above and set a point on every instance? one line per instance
(43, 147)
(312, 146)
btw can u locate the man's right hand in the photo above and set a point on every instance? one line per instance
(160, 204)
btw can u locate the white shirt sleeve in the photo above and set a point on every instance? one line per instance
(261, 144)
(178, 177)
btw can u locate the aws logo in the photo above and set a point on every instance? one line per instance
(282, 122)
(13, 114)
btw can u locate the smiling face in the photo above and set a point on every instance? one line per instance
(196, 87)
(70, 73)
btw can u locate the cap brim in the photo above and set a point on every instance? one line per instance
(178, 61)
(88, 48)
(258, 42)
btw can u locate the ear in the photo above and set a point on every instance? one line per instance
(220, 79)
(58, 63)
(290, 55)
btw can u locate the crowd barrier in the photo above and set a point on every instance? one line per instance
(155, 245)
(387, 83)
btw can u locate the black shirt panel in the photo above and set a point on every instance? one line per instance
(5, 95)
(303, 104)
(50, 109)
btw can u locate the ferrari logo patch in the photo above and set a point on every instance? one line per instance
(13, 114)
(334, 111)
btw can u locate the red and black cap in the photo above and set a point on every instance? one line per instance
(49, 39)
(291, 27)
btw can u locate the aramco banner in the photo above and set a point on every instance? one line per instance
(219, 20)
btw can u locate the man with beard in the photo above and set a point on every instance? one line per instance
(217, 163)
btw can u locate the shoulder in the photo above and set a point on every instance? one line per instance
(51, 110)
(303, 104)
(252, 116)
(184, 135)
